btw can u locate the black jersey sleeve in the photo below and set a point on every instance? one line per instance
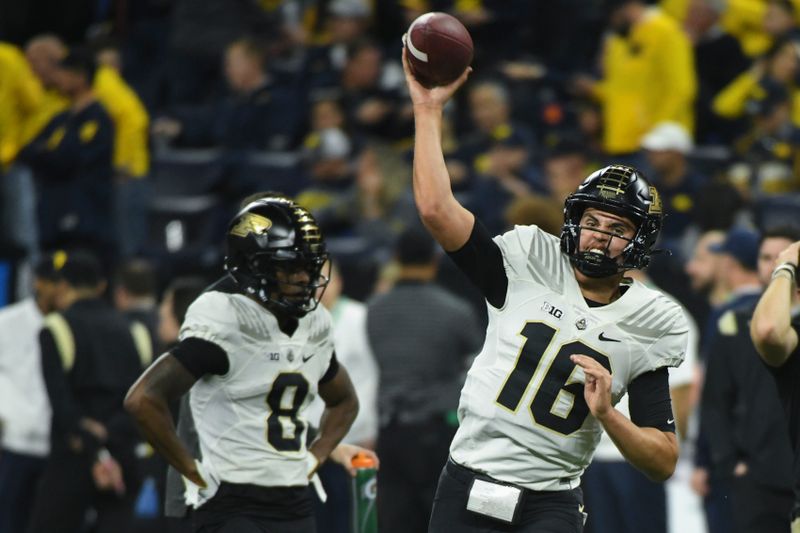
(201, 357)
(649, 400)
(482, 261)
(333, 368)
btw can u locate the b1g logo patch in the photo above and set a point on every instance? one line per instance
(549, 308)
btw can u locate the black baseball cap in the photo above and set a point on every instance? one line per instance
(79, 269)
(80, 60)
(742, 244)
(415, 246)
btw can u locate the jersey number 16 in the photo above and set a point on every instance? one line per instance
(558, 388)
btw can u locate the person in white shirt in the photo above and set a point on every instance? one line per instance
(24, 406)
(354, 353)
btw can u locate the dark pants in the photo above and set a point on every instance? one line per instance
(249, 524)
(19, 475)
(717, 505)
(758, 508)
(242, 508)
(333, 516)
(67, 492)
(542, 511)
(131, 211)
(411, 460)
(620, 499)
(179, 525)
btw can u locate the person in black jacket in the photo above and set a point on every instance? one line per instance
(72, 162)
(741, 414)
(89, 359)
(775, 330)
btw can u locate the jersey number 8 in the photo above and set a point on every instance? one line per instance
(281, 409)
(558, 403)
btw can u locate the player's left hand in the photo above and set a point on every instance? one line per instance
(597, 387)
(107, 474)
(343, 454)
(791, 254)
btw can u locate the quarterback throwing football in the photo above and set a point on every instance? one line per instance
(568, 336)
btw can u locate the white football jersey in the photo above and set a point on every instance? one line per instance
(251, 422)
(523, 416)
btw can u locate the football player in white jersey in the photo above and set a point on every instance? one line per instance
(568, 335)
(255, 349)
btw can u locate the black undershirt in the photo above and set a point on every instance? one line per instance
(787, 379)
(482, 261)
(201, 357)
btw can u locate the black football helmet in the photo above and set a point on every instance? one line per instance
(270, 235)
(623, 191)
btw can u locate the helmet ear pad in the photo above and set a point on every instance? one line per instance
(623, 191)
(272, 235)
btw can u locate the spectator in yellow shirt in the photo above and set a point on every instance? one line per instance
(131, 157)
(758, 23)
(779, 66)
(648, 75)
(20, 97)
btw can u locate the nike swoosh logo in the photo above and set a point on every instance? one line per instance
(670, 421)
(604, 338)
(309, 357)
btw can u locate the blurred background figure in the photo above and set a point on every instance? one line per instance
(667, 147)
(258, 112)
(135, 294)
(565, 167)
(72, 162)
(741, 414)
(423, 339)
(131, 151)
(705, 278)
(89, 360)
(21, 96)
(24, 405)
(492, 163)
(738, 272)
(353, 352)
(648, 75)
(719, 59)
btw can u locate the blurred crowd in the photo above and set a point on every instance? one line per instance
(134, 129)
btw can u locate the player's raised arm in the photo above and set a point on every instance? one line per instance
(771, 328)
(447, 220)
(148, 402)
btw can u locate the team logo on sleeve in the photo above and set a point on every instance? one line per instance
(251, 223)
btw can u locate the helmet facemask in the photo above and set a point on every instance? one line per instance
(276, 254)
(593, 264)
(621, 191)
(269, 279)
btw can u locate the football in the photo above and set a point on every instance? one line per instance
(439, 48)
